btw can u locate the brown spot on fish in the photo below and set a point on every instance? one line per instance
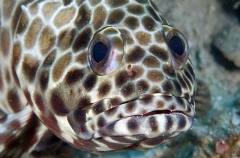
(29, 67)
(32, 33)
(5, 44)
(47, 40)
(60, 66)
(143, 38)
(99, 17)
(64, 16)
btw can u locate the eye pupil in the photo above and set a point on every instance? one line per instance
(176, 45)
(100, 50)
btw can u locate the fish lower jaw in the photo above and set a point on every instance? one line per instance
(149, 125)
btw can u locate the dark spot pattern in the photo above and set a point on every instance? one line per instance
(160, 104)
(84, 102)
(58, 105)
(17, 14)
(169, 122)
(181, 122)
(111, 111)
(167, 86)
(135, 55)
(132, 22)
(29, 67)
(104, 89)
(5, 44)
(130, 107)
(151, 61)
(149, 23)
(64, 16)
(46, 40)
(147, 99)
(32, 33)
(142, 86)
(76, 119)
(65, 38)
(13, 100)
(99, 17)
(43, 79)
(67, 2)
(90, 82)
(83, 17)
(82, 40)
(155, 75)
(116, 16)
(116, 3)
(7, 76)
(99, 108)
(8, 8)
(17, 51)
(82, 58)
(49, 59)
(60, 66)
(135, 9)
(143, 38)
(128, 90)
(39, 102)
(132, 124)
(159, 52)
(22, 23)
(121, 78)
(101, 122)
(94, 2)
(153, 124)
(74, 76)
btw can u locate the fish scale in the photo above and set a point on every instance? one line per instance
(101, 75)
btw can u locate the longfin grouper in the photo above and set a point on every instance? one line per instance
(102, 75)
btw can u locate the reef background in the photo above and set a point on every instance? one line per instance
(212, 28)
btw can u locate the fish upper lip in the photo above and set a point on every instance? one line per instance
(165, 111)
(145, 105)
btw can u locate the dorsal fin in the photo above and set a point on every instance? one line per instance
(19, 133)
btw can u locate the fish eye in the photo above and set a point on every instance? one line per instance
(105, 51)
(99, 51)
(178, 46)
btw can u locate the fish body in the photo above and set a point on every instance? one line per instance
(102, 75)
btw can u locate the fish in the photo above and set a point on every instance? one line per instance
(101, 75)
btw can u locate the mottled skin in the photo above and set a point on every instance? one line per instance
(139, 96)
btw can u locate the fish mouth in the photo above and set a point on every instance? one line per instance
(166, 110)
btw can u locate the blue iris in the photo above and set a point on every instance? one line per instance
(100, 50)
(176, 45)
